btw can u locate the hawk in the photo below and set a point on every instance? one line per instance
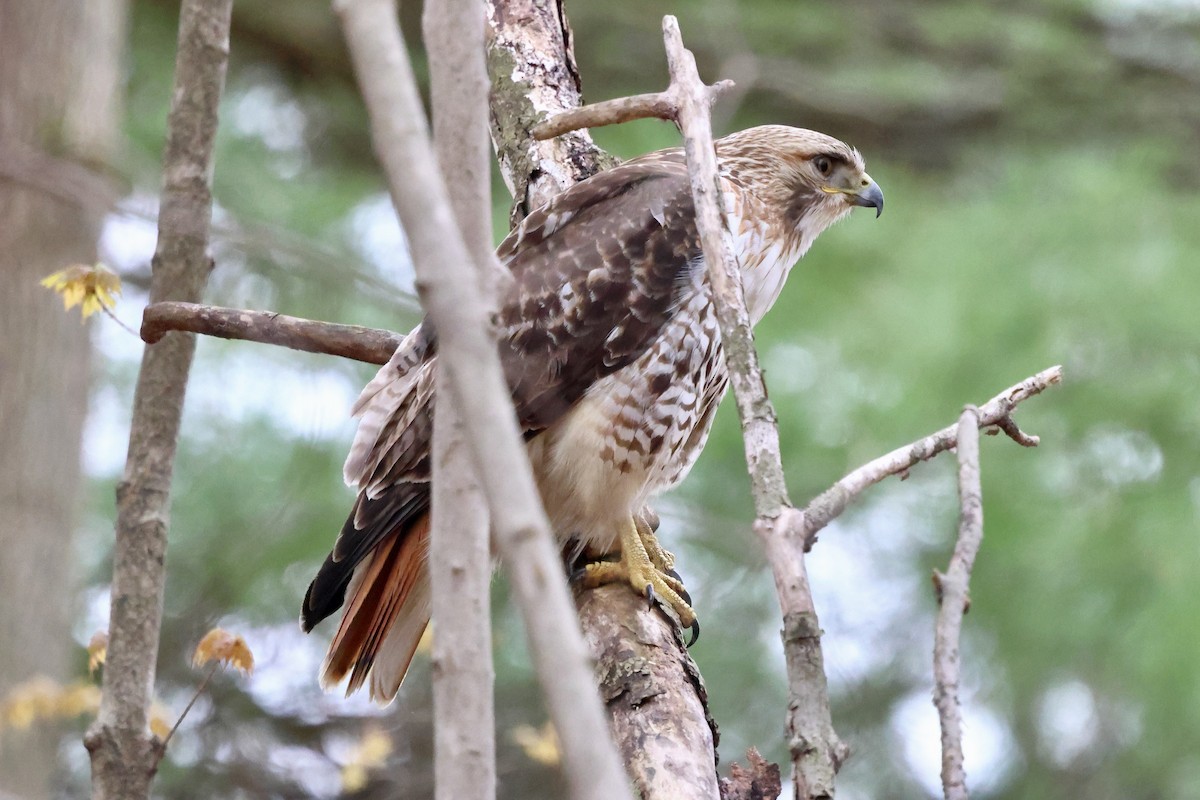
(609, 341)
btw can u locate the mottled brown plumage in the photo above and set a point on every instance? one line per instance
(609, 341)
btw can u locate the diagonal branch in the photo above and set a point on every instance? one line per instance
(996, 412)
(123, 753)
(815, 748)
(451, 294)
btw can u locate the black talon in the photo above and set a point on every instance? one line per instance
(695, 629)
(577, 575)
(649, 596)
(683, 592)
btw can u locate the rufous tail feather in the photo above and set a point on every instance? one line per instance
(385, 616)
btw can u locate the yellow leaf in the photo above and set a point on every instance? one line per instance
(540, 745)
(370, 752)
(91, 288)
(77, 699)
(160, 720)
(29, 701)
(354, 778)
(225, 647)
(97, 649)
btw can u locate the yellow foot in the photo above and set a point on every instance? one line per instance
(649, 569)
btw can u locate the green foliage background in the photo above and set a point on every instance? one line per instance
(1041, 170)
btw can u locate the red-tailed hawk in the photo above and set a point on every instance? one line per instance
(610, 343)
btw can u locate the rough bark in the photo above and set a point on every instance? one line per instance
(532, 67)
(124, 753)
(59, 120)
(348, 341)
(450, 293)
(534, 77)
(460, 561)
(657, 702)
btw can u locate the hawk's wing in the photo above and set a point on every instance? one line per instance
(597, 273)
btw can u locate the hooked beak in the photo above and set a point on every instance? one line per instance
(868, 196)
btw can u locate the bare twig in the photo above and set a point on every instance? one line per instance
(451, 294)
(656, 105)
(460, 561)
(815, 748)
(953, 599)
(212, 670)
(996, 412)
(124, 756)
(371, 345)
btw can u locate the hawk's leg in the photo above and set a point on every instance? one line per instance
(648, 568)
(659, 555)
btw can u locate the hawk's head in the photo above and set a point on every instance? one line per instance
(799, 173)
(789, 184)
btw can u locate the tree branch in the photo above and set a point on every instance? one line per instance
(460, 560)
(451, 294)
(534, 75)
(532, 68)
(123, 753)
(953, 601)
(371, 345)
(996, 413)
(660, 105)
(815, 749)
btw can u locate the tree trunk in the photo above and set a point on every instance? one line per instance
(58, 112)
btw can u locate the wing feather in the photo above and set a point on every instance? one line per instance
(596, 275)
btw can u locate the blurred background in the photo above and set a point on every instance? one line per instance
(1041, 165)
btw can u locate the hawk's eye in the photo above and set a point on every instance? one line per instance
(824, 165)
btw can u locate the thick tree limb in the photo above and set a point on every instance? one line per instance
(124, 754)
(657, 701)
(532, 66)
(451, 294)
(460, 560)
(816, 751)
(372, 345)
(953, 601)
(534, 75)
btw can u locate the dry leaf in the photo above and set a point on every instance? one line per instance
(370, 752)
(160, 720)
(93, 288)
(78, 699)
(41, 698)
(31, 700)
(540, 745)
(225, 647)
(97, 649)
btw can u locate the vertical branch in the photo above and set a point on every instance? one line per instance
(124, 755)
(451, 294)
(816, 751)
(953, 603)
(460, 562)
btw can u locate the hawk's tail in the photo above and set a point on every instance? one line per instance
(387, 609)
